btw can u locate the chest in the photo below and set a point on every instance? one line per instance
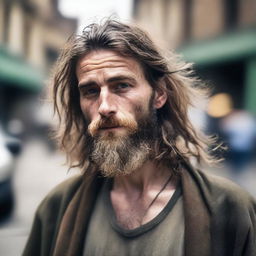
(164, 235)
(132, 212)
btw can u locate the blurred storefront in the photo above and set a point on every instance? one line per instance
(31, 34)
(218, 36)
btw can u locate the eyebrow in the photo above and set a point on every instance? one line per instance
(110, 80)
(120, 78)
(87, 84)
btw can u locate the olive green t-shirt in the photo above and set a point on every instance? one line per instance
(162, 236)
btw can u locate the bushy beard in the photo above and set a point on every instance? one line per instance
(123, 155)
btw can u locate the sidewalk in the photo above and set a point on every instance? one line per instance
(38, 170)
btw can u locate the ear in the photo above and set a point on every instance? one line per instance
(160, 98)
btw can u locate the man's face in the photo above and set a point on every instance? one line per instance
(118, 104)
(114, 93)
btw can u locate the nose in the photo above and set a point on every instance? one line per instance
(107, 104)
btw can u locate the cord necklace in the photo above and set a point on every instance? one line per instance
(157, 195)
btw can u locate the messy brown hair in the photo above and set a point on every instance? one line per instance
(179, 140)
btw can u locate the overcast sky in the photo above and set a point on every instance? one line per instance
(91, 10)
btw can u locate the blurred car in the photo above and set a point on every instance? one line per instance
(10, 147)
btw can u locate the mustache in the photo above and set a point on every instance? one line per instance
(110, 122)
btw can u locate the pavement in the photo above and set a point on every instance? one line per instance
(39, 169)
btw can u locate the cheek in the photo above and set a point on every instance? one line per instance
(141, 110)
(144, 106)
(138, 110)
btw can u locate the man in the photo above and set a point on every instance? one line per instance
(124, 122)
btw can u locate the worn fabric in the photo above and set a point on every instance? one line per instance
(220, 217)
(163, 235)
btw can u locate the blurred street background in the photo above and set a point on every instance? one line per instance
(218, 36)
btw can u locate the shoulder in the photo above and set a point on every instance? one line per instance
(59, 196)
(48, 217)
(233, 211)
(223, 192)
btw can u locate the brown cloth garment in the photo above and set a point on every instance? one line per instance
(220, 217)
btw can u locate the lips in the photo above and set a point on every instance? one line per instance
(108, 127)
(109, 124)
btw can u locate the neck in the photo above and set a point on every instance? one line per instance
(148, 176)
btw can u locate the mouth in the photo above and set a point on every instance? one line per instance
(109, 127)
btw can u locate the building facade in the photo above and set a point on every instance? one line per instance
(218, 36)
(32, 32)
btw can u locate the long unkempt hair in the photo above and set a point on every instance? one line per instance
(178, 140)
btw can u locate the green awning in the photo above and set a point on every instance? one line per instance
(236, 46)
(16, 71)
(229, 47)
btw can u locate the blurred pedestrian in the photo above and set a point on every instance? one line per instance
(123, 112)
(239, 130)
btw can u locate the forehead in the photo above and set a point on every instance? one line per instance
(107, 60)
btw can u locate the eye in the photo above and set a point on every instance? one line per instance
(89, 92)
(122, 86)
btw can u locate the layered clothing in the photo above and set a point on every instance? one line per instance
(220, 217)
